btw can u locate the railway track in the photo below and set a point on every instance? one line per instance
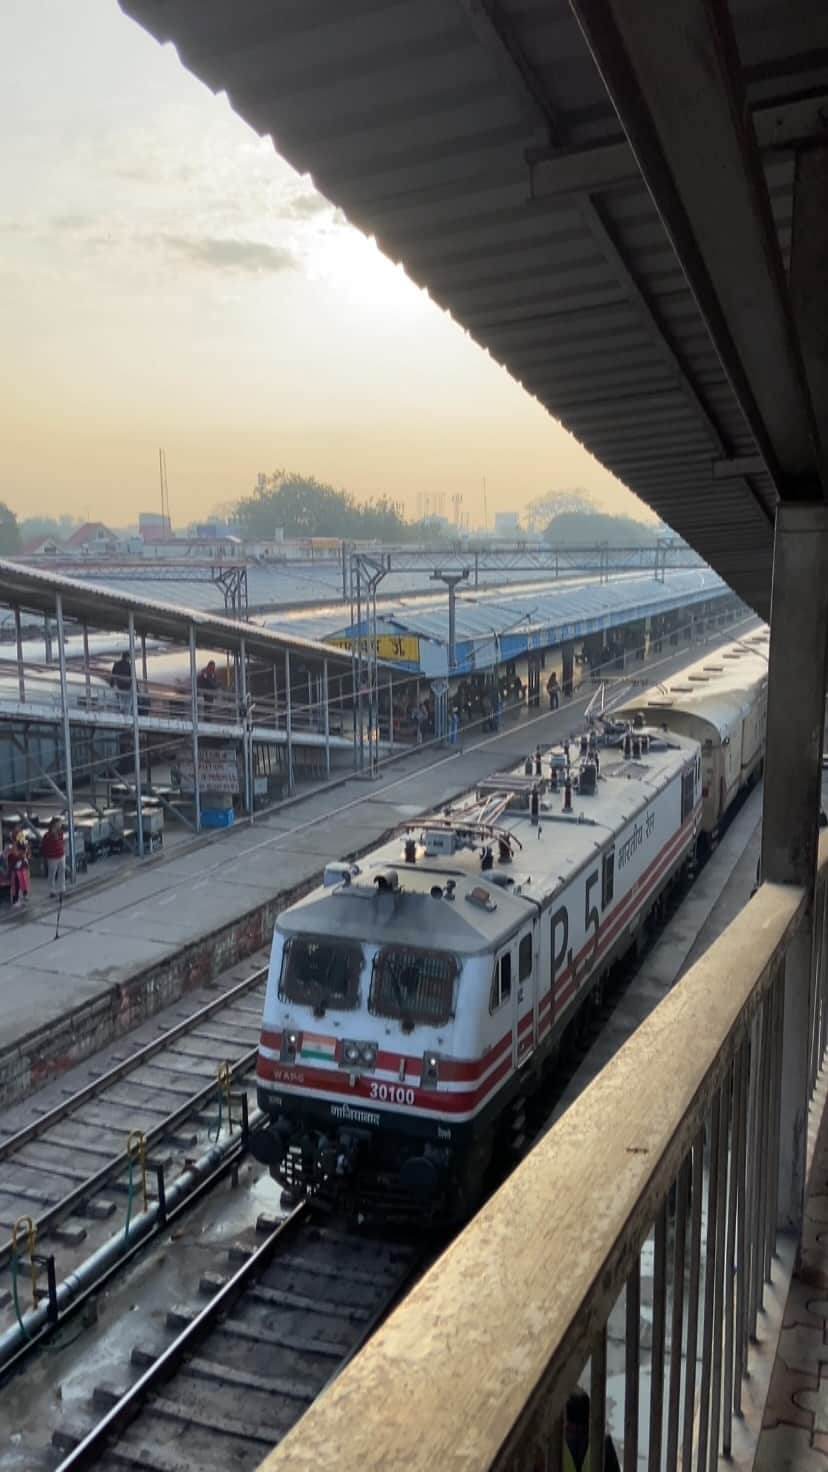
(240, 1372)
(145, 1111)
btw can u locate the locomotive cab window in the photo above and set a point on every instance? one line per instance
(413, 985)
(502, 981)
(687, 793)
(607, 879)
(525, 958)
(321, 973)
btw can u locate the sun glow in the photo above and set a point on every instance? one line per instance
(355, 267)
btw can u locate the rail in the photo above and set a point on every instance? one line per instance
(665, 1170)
(299, 1307)
(195, 1098)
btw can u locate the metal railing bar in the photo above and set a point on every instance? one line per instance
(632, 1366)
(598, 1395)
(677, 1324)
(752, 1178)
(709, 1285)
(740, 1328)
(720, 1269)
(777, 1000)
(730, 1254)
(762, 1156)
(658, 1340)
(693, 1288)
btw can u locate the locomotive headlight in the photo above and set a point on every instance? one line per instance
(291, 1045)
(430, 1071)
(358, 1055)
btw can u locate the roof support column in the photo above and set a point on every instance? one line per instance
(194, 718)
(326, 718)
(796, 706)
(67, 738)
(288, 725)
(809, 278)
(87, 673)
(18, 639)
(246, 728)
(136, 739)
(799, 646)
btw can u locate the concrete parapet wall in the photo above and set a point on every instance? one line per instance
(51, 1050)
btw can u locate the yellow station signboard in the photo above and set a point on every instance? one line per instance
(399, 648)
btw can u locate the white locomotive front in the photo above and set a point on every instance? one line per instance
(415, 999)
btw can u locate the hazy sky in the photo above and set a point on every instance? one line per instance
(166, 279)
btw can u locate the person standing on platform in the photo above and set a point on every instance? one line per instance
(54, 852)
(553, 691)
(576, 1456)
(120, 681)
(18, 861)
(207, 684)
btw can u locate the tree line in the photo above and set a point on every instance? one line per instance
(301, 506)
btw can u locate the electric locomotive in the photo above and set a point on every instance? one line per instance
(415, 999)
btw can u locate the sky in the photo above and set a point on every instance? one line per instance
(167, 280)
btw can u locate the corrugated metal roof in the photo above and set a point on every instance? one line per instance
(410, 120)
(541, 607)
(34, 590)
(283, 586)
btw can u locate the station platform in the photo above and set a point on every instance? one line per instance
(130, 946)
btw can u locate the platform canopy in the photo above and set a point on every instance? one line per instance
(601, 191)
(34, 590)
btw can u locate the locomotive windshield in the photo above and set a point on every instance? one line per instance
(413, 985)
(321, 973)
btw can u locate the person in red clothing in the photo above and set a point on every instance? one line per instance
(54, 852)
(17, 858)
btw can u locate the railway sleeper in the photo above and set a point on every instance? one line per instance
(132, 1453)
(99, 1208)
(225, 1374)
(248, 1430)
(318, 1349)
(211, 1283)
(99, 1152)
(240, 1252)
(181, 1315)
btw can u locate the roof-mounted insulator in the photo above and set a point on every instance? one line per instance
(386, 881)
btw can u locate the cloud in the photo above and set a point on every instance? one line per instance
(73, 221)
(233, 255)
(303, 206)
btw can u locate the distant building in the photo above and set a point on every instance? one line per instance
(40, 547)
(94, 537)
(507, 524)
(153, 527)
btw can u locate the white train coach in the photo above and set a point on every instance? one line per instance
(721, 702)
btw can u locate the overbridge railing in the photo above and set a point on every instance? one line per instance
(630, 1251)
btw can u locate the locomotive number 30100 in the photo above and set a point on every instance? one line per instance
(391, 1093)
